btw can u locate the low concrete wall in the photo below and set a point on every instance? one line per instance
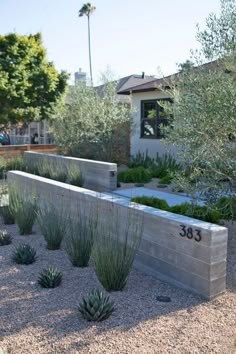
(97, 175)
(183, 251)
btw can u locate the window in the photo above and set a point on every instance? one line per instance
(152, 117)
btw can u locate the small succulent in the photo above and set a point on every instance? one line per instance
(24, 254)
(5, 238)
(97, 306)
(50, 277)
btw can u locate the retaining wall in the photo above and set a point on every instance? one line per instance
(97, 175)
(183, 251)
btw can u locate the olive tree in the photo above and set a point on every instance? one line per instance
(92, 123)
(204, 109)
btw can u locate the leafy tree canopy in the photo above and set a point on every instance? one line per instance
(30, 86)
(87, 123)
(204, 124)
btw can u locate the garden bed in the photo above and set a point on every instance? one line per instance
(43, 321)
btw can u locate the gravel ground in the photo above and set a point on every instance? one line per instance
(43, 321)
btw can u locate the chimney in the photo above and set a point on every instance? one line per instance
(143, 75)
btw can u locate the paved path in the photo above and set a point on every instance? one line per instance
(172, 199)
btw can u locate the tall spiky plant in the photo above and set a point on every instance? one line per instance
(118, 236)
(87, 10)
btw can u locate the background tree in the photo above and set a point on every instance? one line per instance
(93, 124)
(204, 125)
(87, 10)
(30, 86)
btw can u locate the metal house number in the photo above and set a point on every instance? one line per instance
(190, 233)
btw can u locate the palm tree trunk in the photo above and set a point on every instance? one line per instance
(89, 44)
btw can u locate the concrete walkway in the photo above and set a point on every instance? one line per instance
(171, 199)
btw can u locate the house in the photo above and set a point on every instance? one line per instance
(148, 114)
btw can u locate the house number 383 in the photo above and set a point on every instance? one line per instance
(190, 233)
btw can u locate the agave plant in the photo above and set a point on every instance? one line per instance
(5, 238)
(50, 277)
(24, 254)
(97, 306)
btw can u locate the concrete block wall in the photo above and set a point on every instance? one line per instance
(185, 252)
(97, 175)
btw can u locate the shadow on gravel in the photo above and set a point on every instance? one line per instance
(24, 306)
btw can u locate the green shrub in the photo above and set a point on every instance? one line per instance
(5, 238)
(152, 202)
(50, 278)
(7, 216)
(227, 207)
(167, 162)
(135, 175)
(209, 214)
(142, 160)
(80, 236)
(116, 244)
(24, 254)
(53, 225)
(23, 211)
(74, 176)
(166, 179)
(159, 172)
(97, 306)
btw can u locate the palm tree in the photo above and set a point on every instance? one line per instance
(87, 10)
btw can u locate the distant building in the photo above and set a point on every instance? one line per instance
(80, 76)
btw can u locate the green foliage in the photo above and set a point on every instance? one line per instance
(210, 214)
(135, 175)
(204, 109)
(167, 179)
(227, 207)
(50, 278)
(5, 238)
(85, 126)
(24, 254)
(53, 225)
(152, 202)
(30, 86)
(141, 159)
(97, 306)
(116, 244)
(13, 163)
(7, 216)
(80, 236)
(167, 162)
(74, 176)
(23, 210)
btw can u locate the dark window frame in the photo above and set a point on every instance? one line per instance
(157, 120)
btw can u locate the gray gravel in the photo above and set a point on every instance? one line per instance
(43, 321)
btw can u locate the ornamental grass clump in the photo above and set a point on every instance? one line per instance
(53, 223)
(80, 235)
(7, 216)
(97, 306)
(118, 235)
(24, 254)
(5, 238)
(50, 277)
(23, 210)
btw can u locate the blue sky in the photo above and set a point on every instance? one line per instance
(129, 36)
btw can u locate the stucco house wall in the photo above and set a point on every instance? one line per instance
(138, 144)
